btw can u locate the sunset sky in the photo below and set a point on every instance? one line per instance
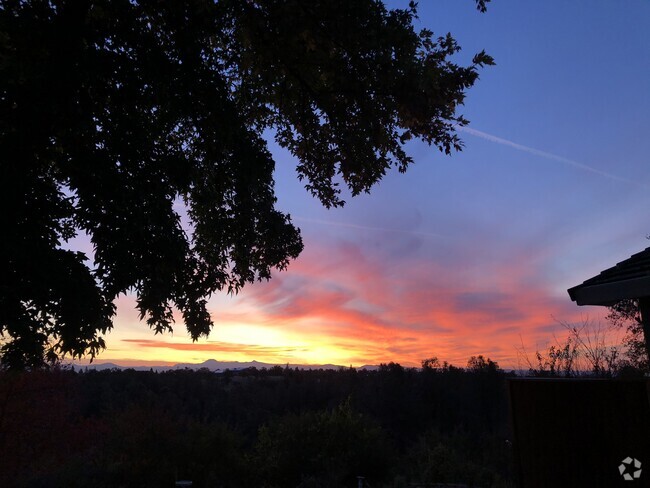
(469, 254)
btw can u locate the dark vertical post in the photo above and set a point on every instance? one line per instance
(644, 308)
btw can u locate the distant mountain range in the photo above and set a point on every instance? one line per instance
(212, 365)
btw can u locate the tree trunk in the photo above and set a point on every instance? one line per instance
(644, 307)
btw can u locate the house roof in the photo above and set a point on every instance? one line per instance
(628, 279)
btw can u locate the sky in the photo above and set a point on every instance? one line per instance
(471, 253)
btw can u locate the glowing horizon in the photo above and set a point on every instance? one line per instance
(330, 308)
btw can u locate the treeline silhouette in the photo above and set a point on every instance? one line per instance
(277, 427)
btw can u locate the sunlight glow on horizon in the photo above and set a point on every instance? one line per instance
(333, 307)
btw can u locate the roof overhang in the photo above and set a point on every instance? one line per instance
(607, 294)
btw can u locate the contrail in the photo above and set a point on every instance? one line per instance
(365, 227)
(547, 155)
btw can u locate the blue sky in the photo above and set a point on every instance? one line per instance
(473, 253)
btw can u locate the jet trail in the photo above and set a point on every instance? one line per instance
(547, 155)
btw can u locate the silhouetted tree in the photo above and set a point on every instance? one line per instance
(626, 314)
(317, 428)
(431, 363)
(120, 117)
(587, 348)
(479, 364)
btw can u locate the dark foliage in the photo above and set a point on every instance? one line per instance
(274, 428)
(116, 114)
(627, 314)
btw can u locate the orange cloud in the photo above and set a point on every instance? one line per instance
(212, 346)
(346, 304)
(409, 309)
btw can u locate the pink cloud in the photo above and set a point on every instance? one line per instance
(409, 309)
(212, 346)
(373, 305)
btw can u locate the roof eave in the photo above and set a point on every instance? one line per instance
(607, 294)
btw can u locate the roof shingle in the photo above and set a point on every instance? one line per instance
(628, 279)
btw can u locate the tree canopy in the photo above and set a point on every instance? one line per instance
(117, 113)
(627, 314)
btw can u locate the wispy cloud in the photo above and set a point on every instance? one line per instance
(406, 311)
(346, 303)
(253, 350)
(548, 155)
